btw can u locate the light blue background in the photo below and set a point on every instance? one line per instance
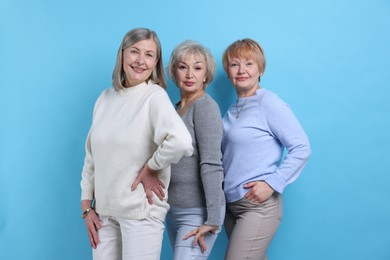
(328, 59)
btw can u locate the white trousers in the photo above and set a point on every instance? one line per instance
(126, 239)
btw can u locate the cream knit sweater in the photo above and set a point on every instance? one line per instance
(129, 128)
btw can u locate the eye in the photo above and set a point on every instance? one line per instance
(249, 63)
(198, 68)
(233, 65)
(150, 55)
(133, 51)
(182, 67)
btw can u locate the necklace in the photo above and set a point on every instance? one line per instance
(239, 111)
(248, 96)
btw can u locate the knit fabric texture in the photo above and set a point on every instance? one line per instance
(266, 142)
(131, 127)
(197, 180)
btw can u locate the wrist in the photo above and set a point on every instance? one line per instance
(150, 170)
(86, 212)
(87, 204)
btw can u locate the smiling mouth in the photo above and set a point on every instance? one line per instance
(138, 70)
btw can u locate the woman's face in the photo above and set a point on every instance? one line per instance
(139, 61)
(191, 73)
(244, 74)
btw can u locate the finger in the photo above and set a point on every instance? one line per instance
(91, 240)
(159, 192)
(149, 197)
(93, 236)
(190, 234)
(95, 220)
(249, 184)
(249, 195)
(202, 244)
(95, 239)
(161, 183)
(135, 183)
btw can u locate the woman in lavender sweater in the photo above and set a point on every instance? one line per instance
(258, 127)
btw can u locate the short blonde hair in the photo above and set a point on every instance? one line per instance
(245, 48)
(131, 38)
(191, 47)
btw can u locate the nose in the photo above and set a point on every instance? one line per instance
(240, 70)
(189, 73)
(140, 59)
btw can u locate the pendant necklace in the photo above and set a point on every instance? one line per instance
(246, 99)
(239, 111)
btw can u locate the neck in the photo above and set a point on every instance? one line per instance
(188, 98)
(247, 93)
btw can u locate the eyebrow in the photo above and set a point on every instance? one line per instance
(196, 62)
(134, 47)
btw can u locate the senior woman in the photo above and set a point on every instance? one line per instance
(258, 127)
(195, 193)
(134, 137)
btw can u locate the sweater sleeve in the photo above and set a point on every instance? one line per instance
(169, 133)
(208, 133)
(88, 173)
(285, 127)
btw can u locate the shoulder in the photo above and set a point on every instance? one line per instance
(106, 94)
(206, 102)
(206, 110)
(156, 91)
(108, 91)
(271, 99)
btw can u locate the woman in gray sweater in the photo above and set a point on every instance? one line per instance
(195, 193)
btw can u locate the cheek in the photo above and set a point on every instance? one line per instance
(231, 74)
(180, 75)
(154, 64)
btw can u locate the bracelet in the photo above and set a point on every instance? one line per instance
(85, 213)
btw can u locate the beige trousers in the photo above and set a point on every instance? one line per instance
(250, 227)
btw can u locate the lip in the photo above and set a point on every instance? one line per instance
(241, 78)
(189, 83)
(137, 69)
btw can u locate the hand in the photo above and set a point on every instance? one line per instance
(199, 234)
(151, 182)
(259, 191)
(93, 225)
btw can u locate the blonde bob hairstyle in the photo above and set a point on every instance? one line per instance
(131, 38)
(186, 48)
(247, 49)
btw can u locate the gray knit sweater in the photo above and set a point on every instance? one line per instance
(196, 181)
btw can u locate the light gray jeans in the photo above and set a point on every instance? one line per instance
(181, 221)
(250, 227)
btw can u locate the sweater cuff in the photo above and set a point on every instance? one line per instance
(87, 195)
(276, 183)
(153, 165)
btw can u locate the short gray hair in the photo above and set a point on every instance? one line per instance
(191, 47)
